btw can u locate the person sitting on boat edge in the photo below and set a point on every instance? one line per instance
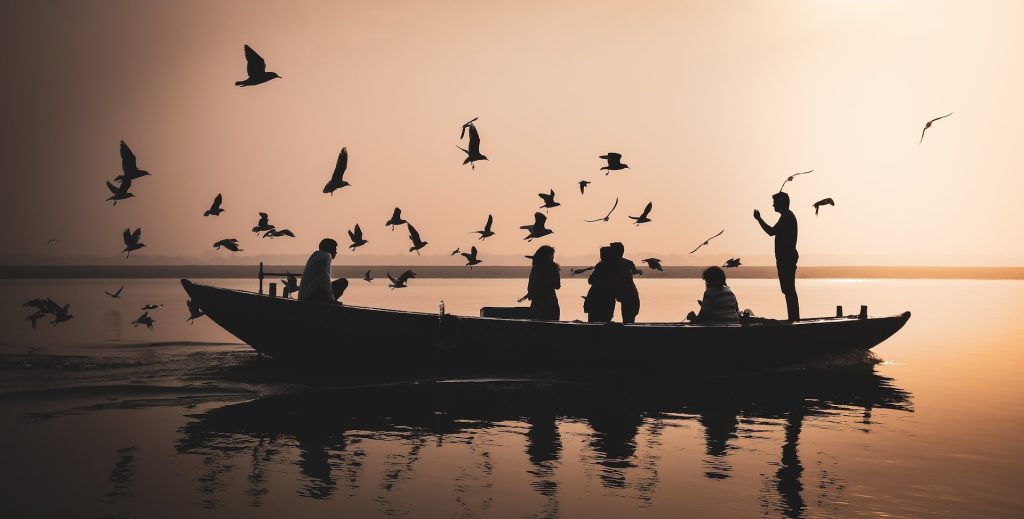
(599, 303)
(719, 304)
(316, 284)
(544, 280)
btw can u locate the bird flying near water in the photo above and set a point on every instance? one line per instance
(614, 162)
(337, 181)
(583, 185)
(643, 218)
(732, 263)
(486, 232)
(115, 295)
(473, 153)
(194, 312)
(120, 192)
(581, 270)
(653, 263)
(215, 209)
(471, 258)
(929, 125)
(256, 68)
(151, 307)
(537, 230)
(230, 244)
(549, 200)
(129, 167)
(368, 277)
(414, 236)
(400, 281)
(705, 242)
(396, 219)
(132, 241)
(824, 201)
(263, 224)
(356, 235)
(791, 177)
(144, 319)
(607, 216)
(275, 233)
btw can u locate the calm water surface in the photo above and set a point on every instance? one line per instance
(102, 419)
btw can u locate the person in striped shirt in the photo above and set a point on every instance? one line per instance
(719, 304)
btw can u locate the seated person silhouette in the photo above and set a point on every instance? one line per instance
(544, 281)
(316, 284)
(599, 303)
(719, 304)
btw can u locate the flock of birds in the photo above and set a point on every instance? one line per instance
(257, 74)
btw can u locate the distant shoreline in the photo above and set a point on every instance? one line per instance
(491, 272)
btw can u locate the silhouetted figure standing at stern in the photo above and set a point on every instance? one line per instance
(786, 256)
(316, 276)
(544, 280)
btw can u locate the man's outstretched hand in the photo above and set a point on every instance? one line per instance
(757, 214)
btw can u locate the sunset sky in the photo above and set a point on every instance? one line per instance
(712, 104)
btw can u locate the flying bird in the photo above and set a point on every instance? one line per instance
(151, 307)
(653, 263)
(549, 200)
(144, 319)
(537, 230)
(471, 258)
(256, 68)
(579, 270)
(396, 219)
(215, 209)
(614, 162)
(707, 240)
(400, 281)
(275, 233)
(290, 284)
(732, 263)
(129, 168)
(583, 185)
(193, 311)
(486, 233)
(336, 181)
(264, 224)
(605, 219)
(643, 216)
(819, 203)
(115, 295)
(230, 244)
(356, 235)
(368, 277)
(473, 153)
(929, 125)
(456, 251)
(132, 241)
(120, 192)
(414, 236)
(791, 177)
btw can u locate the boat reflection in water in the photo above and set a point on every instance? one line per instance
(329, 429)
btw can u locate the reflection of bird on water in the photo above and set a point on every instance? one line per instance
(132, 241)
(791, 177)
(819, 203)
(230, 244)
(580, 270)
(549, 200)
(643, 216)
(929, 125)
(356, 235)
(61, 314)
(653, 263)
(368, 277)
(263, 224)
(607, 216)
(537, 230)
(129, 168)
(473, 153)
(256, 68)
(583, 185)
(51, 241)
(193, 311)
(120, 192)
(414, 236)
(614, 162)
(486, 232)
(144, 319)
(115, 295)
(705, 242)
(48, 307)
(215, 209)
(396, 219)
(400, 281)
(471, 258)
(732, 263)
(274, 233)
(37, 315)
(336, 181)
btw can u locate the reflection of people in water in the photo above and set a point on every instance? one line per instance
(719, 303)
(544, 280)
(316, 276)
(786, 256)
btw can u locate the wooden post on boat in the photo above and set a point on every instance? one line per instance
(273, 290)
(863, 312)
(839, 310)
(261, 278)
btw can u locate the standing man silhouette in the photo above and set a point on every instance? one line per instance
(786, 256)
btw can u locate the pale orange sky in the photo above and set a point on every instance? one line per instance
(712, 104)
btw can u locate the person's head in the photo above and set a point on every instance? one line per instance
(607, 254)
(618, 249)
(329, 246)
(780, 201)
(545, 254)
(714, 277)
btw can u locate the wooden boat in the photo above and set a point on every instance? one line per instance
(373, 340)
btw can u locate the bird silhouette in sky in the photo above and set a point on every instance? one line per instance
(129, 167)
(486, 232)
(145, 320)
(132, 241)
(471, 258)
(824, 201)
(256, 68)
(151, 307)
(396, 219)
(414, 236)
(643, 218)
(581, 270)
(653, 263)
(583, 185)
(356, 235)
(607, 216)
(929, 125)
(263, 224)
(473, 153)
(732, 263)
(400, 281)
(614, 162)
(707, 240)
(368, 277)
(336, 181)
(230, 244)
(456, 251)
(120, 192)
(791, 177)
(194, 312)
(215, 209)
(115, 295)
(537, 230)
(275, 233)
(549, 200)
